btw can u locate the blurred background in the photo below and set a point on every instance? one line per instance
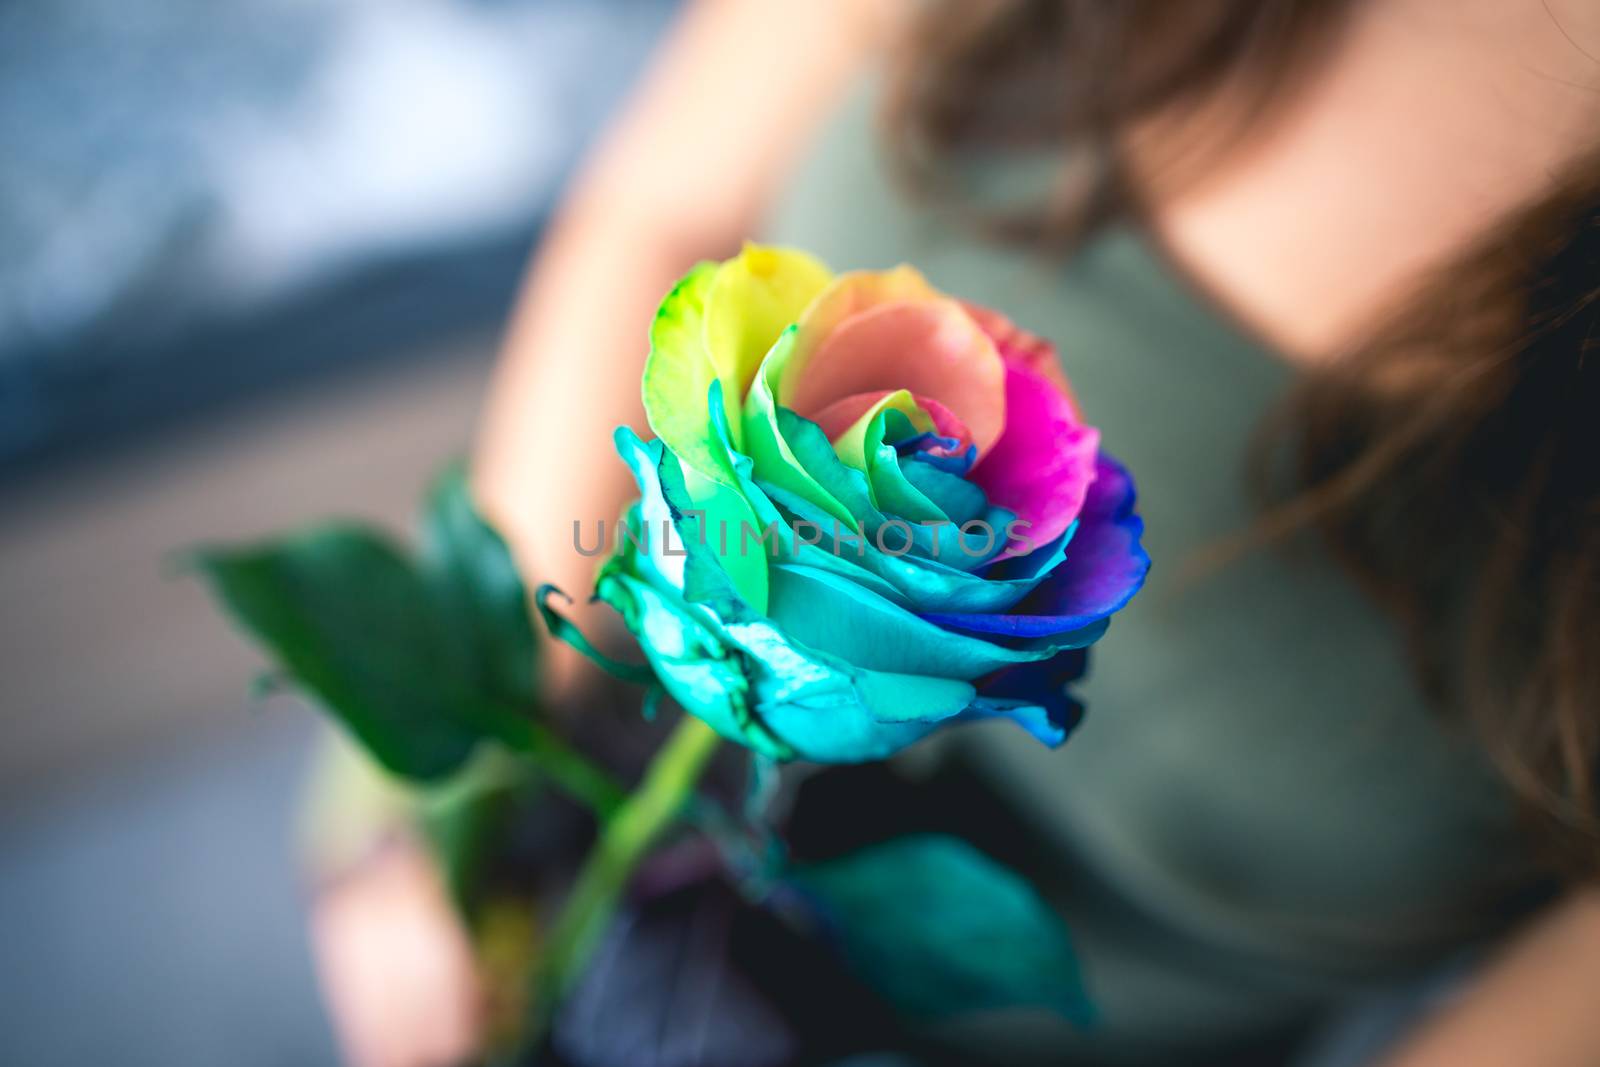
(254, 259)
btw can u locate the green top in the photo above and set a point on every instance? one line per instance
(1258, 814)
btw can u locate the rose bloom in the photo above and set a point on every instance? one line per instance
(870, 510)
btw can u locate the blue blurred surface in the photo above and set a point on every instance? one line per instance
(199, 201)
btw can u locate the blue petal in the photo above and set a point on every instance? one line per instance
(957, 463)
(1035, 697)
(959, 499)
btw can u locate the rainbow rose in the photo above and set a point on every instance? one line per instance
(870, 510)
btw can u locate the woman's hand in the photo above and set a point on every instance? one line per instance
(396, 966)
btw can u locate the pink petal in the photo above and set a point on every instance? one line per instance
(947, 425)
(931, 347)
(1043, 464)
(850, 294)
(1018, 346)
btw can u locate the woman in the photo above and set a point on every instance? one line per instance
(1352, 243)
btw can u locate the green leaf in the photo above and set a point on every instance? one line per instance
(940, 929)
(482, 601)
(357, 626)
(421, 660)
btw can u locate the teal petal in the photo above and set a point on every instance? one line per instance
(924, 585)
(734, 667)
(754, 685)
(957, 498)
(757, 686)
(856, 723)
(918, 581)
(831, 615)
(691, 660)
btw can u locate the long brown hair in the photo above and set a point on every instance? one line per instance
(1452, 460)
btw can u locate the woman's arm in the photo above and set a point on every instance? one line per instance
(684, 175)
(1536, 1005)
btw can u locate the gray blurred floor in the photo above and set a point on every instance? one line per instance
(151, 916)
(149, 907)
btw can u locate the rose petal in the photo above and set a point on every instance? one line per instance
(1034, 696)
(1105, 566)
(763, 440)
(845, 412)
(842, 414)
(850, 294)
(851, 442)
(932, 348)
(752, 682)
(1020, 348)
(753, 298)
(826, 612)
(678, 387)
(851, 488)
(1042, 465)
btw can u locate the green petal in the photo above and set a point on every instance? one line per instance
(765, 444)
(788, 544)
(893, 494)
(678, 372)
(678, 376)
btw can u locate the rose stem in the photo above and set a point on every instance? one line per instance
(624, 839)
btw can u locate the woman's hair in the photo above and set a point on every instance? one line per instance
(1451, 460)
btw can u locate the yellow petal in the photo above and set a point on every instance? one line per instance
(754, 297)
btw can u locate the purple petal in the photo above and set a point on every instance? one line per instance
(1105, 566)
(1042, 465)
